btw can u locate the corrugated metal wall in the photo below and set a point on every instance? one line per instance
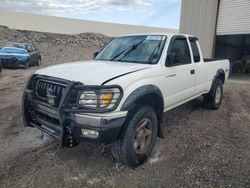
(54, 24)
(198, 17)
(234, 17)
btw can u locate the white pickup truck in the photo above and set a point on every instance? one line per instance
(121, 95)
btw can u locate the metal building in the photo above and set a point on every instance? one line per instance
(223, 27)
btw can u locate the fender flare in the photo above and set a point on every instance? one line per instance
(219, 72)
(140, 92)
(137, 94)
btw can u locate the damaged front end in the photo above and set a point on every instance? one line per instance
(52, 105)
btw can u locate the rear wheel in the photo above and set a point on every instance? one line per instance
(137, 141)
(213, 99)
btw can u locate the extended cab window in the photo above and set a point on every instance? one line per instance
(195, 50)
(179, 48)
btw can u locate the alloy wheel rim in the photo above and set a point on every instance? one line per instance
(143, 136)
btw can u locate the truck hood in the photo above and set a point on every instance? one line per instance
(91, 72)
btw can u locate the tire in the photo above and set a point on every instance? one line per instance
(213, 99)
(1, 68)
(26, 66)
(136, 143)
(39, 61)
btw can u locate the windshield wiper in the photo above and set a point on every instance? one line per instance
(153, 53)
(128, 50)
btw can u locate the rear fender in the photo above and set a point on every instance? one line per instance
(220, 75)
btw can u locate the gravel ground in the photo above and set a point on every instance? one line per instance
(201, 148)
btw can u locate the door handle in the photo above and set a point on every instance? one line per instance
(192, 71)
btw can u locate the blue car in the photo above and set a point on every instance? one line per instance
(19, 56)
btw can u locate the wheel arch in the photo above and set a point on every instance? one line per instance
(220, 75)
(147, 95)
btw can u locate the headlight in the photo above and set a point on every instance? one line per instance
(100, 98)
(88, 98)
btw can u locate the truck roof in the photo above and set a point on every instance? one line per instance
(160, 33)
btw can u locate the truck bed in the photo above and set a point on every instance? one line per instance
(209, 60)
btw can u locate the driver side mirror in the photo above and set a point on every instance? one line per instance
(95, 54)
(171, 59)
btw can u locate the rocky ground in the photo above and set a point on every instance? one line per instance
(201, 148)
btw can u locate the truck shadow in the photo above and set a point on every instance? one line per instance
(174, 116)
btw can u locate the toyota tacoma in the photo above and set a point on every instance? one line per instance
(119, 97)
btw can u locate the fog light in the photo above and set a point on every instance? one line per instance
(90, 133)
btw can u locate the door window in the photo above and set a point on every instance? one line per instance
(180, 50)
(195, 50)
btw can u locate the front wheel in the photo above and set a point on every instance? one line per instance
(39, 61)
(136, 143)
(26, 65)
(213, 99)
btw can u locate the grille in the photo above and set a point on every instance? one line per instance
(50, 92)
(6, 61)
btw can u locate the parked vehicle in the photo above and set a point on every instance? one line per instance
(121, 95)
(19, 56)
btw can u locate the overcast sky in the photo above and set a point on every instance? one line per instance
(158, 13)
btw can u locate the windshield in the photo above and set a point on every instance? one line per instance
(23, 46)
(135, 49)
(13, 50)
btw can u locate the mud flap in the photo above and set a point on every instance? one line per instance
(160, 130)
(68, 141)
(66, 137)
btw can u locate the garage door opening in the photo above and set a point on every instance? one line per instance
(236, 48)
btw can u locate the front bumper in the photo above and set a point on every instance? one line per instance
(9, 63)
(68, 126)
(108, 125)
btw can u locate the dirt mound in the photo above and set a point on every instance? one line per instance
(56, 48)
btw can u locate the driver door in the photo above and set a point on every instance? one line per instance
(180, 75)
